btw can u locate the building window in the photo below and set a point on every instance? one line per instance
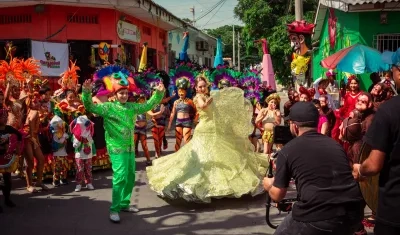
(82, 19)
(386, 42)
(15, 19)
(147, 30)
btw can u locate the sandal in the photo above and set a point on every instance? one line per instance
(31, 189)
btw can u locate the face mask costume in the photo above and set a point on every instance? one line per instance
(300, 35)
(119, 125)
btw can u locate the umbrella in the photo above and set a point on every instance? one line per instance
(356, 59)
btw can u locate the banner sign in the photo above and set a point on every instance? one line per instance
(128, 31)
(53, 57)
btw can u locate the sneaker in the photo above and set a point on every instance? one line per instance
(64, 182)
(148, 163)
(114, 217)
(78, 188)
(90, 186)
(130, 209)
(56, 183)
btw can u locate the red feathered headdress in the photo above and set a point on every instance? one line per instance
(30, 67)
(308, 92)
(300, 27)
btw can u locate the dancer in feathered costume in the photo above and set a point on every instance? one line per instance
(11, 80)
(147, 82)
(119, 123)
(184, 108)
(223, 77)
(218, 161)
(250, 83)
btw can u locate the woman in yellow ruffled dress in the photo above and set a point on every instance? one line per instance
(218, 161)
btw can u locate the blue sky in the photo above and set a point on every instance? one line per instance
(223, 16)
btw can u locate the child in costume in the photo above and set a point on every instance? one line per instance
(269, 117)
(119, 120)
(68, 108)
(9, 151)
(82, 129)
(184, 109)
(59, 141)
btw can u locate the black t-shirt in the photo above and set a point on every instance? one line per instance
(323, 177)
(384, 135)
(8, 130)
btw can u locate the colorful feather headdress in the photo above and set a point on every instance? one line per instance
(30, 68)
(147, 81)
(183, 76)
(223, 77)
(69, 79)
(115, 78)
(250, 82)
(11, 72)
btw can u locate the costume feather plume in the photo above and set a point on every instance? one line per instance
(183, 71)
(250, 83)
(223, 73)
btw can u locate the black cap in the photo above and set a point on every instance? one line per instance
(304, 112)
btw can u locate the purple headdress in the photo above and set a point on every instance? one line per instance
(223, 76)
(250, 82)
(147, 81)
(183, 71)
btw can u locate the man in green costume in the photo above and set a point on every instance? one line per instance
(119, 124)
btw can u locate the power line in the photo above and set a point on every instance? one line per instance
(215, 13)
(211, 9)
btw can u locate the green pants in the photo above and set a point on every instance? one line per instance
(123, 166)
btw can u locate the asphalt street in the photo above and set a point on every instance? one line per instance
(61, 211)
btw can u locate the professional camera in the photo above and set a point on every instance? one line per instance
(282, 135)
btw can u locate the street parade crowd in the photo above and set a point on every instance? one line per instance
(225, 118)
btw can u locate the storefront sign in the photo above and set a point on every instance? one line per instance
(128, 31)
(53, 57)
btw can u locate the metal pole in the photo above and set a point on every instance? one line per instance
(233, 44)
(238, 51)
(298, 6)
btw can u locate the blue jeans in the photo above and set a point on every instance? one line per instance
(345, 225)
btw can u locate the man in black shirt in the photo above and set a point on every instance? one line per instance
(329, 199)
(384, 138)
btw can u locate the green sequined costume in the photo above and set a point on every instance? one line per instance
(119, 125)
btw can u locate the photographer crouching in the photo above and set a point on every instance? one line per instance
(330, 201)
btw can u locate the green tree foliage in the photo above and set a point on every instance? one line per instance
(227, 38)
(268, 19)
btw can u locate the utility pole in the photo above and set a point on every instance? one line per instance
(238, 50)
(298, 8)
(233, 44)
(193, 13)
